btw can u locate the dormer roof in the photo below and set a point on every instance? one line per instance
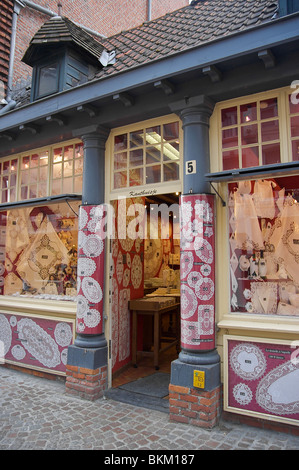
(58, 31)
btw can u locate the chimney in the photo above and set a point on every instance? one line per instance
(287, 7)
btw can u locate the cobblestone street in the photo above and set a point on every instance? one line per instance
(36, 414)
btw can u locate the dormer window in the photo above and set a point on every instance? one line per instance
(47, 80)
(63, 55)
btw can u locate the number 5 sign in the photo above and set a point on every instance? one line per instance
(190, 167)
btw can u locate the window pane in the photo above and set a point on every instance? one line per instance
(56, 187)
(34, 160)
(57, 170)
(120, 142)
(43, 174)
(171, 151)
(120, 160)
(270, 130)
(33, 175)
(153, 174)
(153, 135)
(171, 171)
(136, 139)
(171, 131)
(4, 196)
(230, 138)
(42, 190)
(25, 177)
(271, 154)
(295, 126)
(58, 155)
(6, 167)
(13, 179)
(250, 157)
(24, 193)
(68, 152)
(153, 154)
(136, 177)
(67, 185)
(68, 168)
(294, 107)
(120, 179)
(43, 158)
(78, 183)
(25, 162)
(295, 149)
(269, 108)
(48, 80)
(229, 116)
(249, 134)
(78, 166)
(136, 157)
(248, 112)
(79, 151)
(230, 159)
(32, 191)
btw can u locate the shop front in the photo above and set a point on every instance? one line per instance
(258, 321)
(149, 221)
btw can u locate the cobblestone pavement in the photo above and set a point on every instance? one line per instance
(36, 414)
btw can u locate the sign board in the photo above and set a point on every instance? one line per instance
(199, 379)
(190, 167)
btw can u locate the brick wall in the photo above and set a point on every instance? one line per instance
(107, 17)
(6, 9)
(194, 407)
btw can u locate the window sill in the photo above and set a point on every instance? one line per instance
(271, 323)
(40, 307)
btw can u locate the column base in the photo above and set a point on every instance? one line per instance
(86, 372)
(190, 403)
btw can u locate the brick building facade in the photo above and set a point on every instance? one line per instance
(6, 8)
(106, 17)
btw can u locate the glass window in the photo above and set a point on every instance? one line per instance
(250, 134)
(34, 175)
(146, 156)
(294, 127)
(48, 80)
(39, 251)
(67, 169)
(264, 246)
(8, 180)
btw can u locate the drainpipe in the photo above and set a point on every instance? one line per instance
(149, 10)
(17, 8)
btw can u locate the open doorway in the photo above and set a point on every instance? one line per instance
(152, 286)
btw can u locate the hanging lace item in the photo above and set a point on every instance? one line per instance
(247, 234)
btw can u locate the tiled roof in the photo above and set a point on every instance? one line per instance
(60, 30)
(194, 25)
(200, 22)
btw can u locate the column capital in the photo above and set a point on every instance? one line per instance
(93, 131)
(194, 110)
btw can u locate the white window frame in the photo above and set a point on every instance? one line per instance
(50, 149)
(282, 95)
(145, 189)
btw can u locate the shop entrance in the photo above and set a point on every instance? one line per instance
(145, 299)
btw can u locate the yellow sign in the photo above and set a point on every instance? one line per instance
(199, 378)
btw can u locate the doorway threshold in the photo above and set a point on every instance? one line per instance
(147, 392)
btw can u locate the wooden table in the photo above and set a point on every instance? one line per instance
(156, 309)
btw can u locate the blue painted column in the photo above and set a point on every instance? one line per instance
(198, 357)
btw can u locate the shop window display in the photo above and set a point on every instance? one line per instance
(264, 246)
(38, 251)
